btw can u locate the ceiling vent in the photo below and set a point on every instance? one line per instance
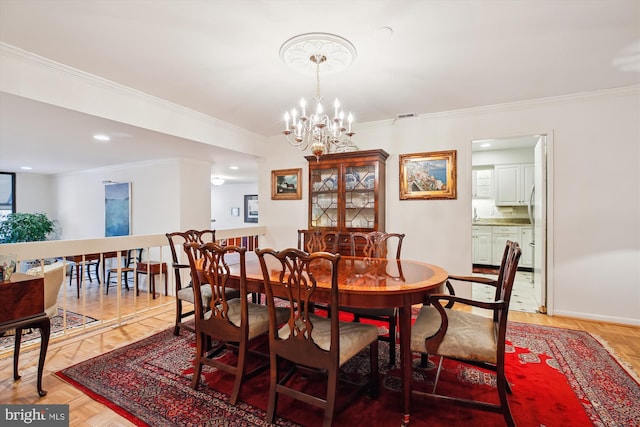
(407, 115)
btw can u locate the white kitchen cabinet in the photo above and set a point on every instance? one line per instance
(499, 237)
(481, 240)
(513, 184)
(482, 182)
(526, 238)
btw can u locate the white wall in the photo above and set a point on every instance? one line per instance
(167, 195)
(595, 194)
(34, 193)
(227, 196)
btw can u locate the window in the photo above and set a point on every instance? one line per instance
(7, 193)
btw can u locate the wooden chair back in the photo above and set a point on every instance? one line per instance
(509, 268)
(291, 274)
(178, 239)
(318, 241)
(176, 245)
(376, 244)
(209, 264)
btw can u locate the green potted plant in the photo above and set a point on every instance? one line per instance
(25, 227)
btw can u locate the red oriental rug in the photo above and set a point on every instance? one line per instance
(559, 377)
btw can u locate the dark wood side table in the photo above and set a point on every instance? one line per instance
(152, 268)
(22, 307)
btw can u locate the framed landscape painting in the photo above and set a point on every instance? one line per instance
(428, 175)
(285, 184)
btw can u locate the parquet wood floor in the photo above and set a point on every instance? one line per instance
(84, 411)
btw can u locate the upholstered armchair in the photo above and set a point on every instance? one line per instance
(53, 277)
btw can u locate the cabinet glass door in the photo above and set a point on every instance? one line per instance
(360, 197)
(324, 197)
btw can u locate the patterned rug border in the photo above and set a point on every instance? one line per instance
(100, 399)
(622, 363)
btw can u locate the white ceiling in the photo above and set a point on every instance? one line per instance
(221, 58)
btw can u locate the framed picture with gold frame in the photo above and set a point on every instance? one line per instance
(428, 175)
(286, 184)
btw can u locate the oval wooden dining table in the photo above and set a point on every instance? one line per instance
(371, 283)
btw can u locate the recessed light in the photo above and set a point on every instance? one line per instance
(235, 168)
(101, 137)
(26, 168)
(485, 145)
(217, 181)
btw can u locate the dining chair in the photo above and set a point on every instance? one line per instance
(78, 267)
(132, 257)
(377, 244)
(309, 341)
(470, 337)
(318, 241)
(184, 293)
(225, 320)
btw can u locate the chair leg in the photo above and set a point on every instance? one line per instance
(504, 402)
(375, 372)
(197, 364)
(332, 385)
(435, 382)
(242, 357)
(106, 285)
(176, 328)
(273, 395)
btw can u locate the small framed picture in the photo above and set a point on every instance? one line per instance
(251, 208)
(428, 175)
(235, 211)
(285, 184)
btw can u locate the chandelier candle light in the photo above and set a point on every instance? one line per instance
(319, 131)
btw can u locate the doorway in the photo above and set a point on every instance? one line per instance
(509, 200)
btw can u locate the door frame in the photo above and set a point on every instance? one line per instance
(548, 241)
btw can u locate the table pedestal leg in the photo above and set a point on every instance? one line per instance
(405, 359)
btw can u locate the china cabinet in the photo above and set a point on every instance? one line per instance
(347, 192)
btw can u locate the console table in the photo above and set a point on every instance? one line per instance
(22, 307)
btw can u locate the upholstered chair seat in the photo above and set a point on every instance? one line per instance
(258, 316)
(186, 294)
(470, 336)
(353, 336)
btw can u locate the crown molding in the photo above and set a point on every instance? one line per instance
(519, 105)
(7, 50)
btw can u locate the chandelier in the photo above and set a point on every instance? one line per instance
(323, 131)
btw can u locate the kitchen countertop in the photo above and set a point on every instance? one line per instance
(502, 221)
